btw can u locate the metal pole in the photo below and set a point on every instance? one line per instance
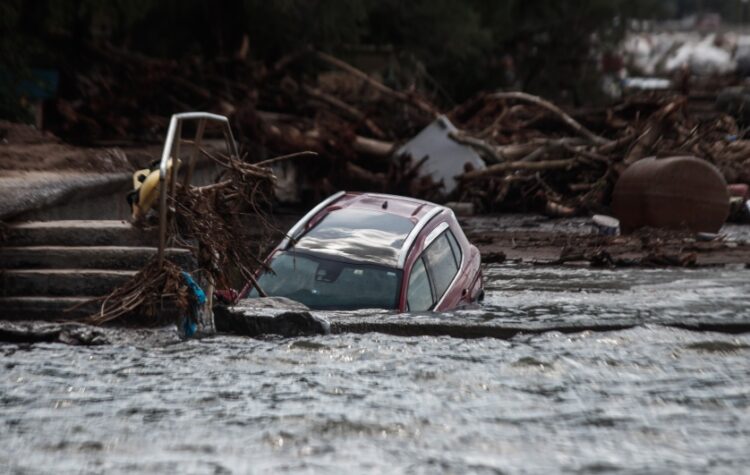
(196, 149)
(176, 158)
(172, 150)
(168, 143)
(162, 219)
(229, 138)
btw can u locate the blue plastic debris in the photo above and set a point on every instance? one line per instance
(188, 325)
(198, 293)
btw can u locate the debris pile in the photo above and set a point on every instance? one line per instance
(144, 295)
(541, 156)
(211, 221)
(536, 157)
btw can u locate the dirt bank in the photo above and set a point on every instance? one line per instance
(24, 148)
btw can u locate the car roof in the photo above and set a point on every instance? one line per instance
(365, 227)
(410, 208)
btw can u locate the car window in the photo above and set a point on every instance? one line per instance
(454, 247)
(322, 283)
(419, 294)
(441, 264)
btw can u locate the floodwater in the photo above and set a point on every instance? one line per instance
(649, 399)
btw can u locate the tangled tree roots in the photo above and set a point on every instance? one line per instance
(225, 225)
(143, 296)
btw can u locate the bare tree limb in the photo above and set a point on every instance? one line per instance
(571, 122)
(500, 168)
(290, 156)
(337, 103)
(646, 141)
(376, 148)
(417, 102)
(489, 151)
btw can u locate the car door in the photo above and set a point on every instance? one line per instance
(442, 264)
(419, 295)
(433, 273)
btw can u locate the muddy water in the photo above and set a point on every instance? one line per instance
(556, 294)
(648, 399)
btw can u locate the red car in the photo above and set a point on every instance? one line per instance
(367, 250)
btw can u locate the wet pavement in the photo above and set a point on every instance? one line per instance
(646, 399)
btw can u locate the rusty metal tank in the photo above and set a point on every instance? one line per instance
(675, 193)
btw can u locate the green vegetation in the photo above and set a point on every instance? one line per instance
(539, 45)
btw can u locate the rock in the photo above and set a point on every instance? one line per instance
(35, 332)
(85, 336)
(11, 333)
(494, 257)
(272, 303)
(269, 315)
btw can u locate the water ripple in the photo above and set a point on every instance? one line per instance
(647, 399)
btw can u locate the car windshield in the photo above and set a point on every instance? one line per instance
(328, 284)
(358, 234)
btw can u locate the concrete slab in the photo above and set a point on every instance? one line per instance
(78, 233)
(88, 257)
(26, 191)
(61, 282)
(56, 308)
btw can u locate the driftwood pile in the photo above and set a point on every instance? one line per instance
(223, 224)
(538, 156)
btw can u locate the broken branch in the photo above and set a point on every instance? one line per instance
(500, 168)
(571, 122)
(417, 102)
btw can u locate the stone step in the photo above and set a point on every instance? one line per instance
(87, 257)
(46, 308)
(59, 308)
(78, 233)
(61, 282)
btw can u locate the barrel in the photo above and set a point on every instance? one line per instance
(675, 193)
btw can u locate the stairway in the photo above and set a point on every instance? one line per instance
(47, 267)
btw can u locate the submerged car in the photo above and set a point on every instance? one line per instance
(367, 250)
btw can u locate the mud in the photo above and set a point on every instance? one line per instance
(540, 240)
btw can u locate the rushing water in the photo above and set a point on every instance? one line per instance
(648, 399)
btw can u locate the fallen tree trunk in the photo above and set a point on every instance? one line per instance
(489, 152)
(516, 151)
(519, 165)
(312, 140)
(373, 147)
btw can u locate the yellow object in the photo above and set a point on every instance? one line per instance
(139, 177)
(146, 183)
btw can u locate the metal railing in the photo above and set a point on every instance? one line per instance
(172, 150)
